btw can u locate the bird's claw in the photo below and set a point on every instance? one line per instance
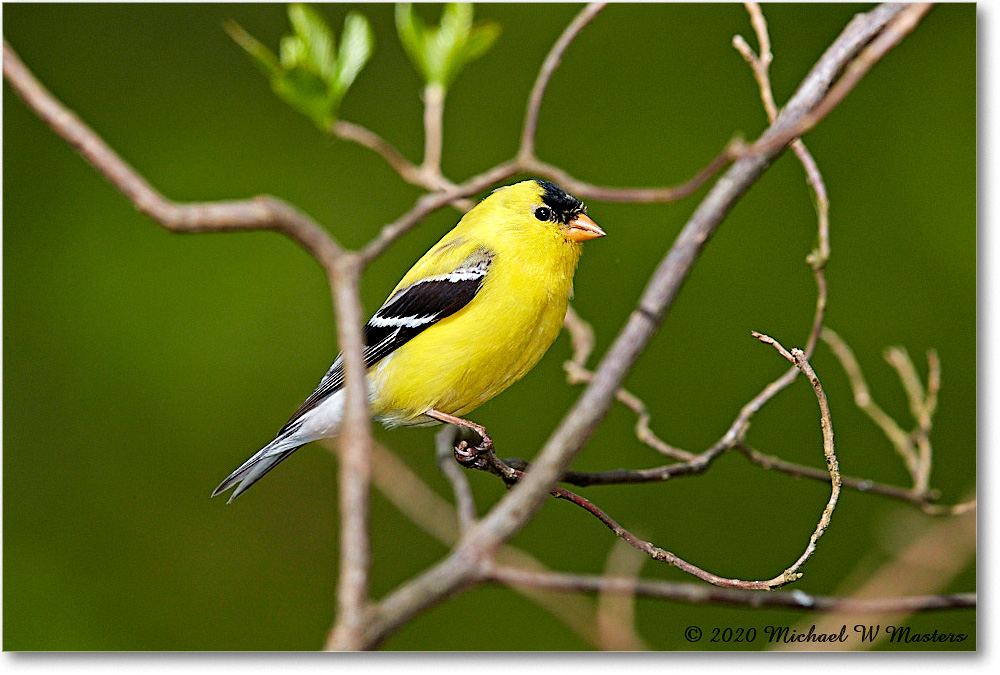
(471, 456)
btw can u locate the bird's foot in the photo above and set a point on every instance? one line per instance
(470, 456)
(474, 456)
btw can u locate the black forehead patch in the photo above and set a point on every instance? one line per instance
(562, 203)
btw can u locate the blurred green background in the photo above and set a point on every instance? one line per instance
(141, 367)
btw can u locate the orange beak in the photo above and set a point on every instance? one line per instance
(581, 228)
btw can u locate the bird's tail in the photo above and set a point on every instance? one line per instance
(254, 468)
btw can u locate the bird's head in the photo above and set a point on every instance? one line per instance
(541, 204)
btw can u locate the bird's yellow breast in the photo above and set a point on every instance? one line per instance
(468, 358)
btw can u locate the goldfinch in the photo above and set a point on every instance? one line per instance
(472, 317)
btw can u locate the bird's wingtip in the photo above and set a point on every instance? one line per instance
(239, 490)
(222, 488)
(226, 484)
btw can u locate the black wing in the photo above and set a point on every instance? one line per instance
(405, 315)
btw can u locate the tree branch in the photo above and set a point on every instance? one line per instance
(429, 203)
(355, 468)
(349, 131)
(260, 213)
(700, 594)
(905, 20)
(634, 195)
(426, 509)
(405, 169)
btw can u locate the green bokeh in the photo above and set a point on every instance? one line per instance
(141, 367)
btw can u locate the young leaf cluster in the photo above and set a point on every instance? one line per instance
(308, 73)
(439, 53)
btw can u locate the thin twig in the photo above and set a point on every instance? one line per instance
(902, 24)
(771, 462)
(433, 131)
(700, 594)
(514, 476)
(863, 399)
(921, 499)
(409, 172)
(917, 398)
(582, 341)
(549, 65)
(658, 474)
(899, 359)
(431, 202)
(465, 505)
(634, 195)
(798, 357)
(349, 131)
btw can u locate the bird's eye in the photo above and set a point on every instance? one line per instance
(543, 213)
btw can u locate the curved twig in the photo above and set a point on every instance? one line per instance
(549, 65)
(798, 357)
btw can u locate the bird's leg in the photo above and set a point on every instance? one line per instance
(466, 455)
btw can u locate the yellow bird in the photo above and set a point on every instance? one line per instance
(471, 318)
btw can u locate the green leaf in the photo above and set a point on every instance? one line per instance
(456, 20)
(316, 38)
(356, 44)
(412, 34)
(293, 52)
(445, 44)
(480, 40)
